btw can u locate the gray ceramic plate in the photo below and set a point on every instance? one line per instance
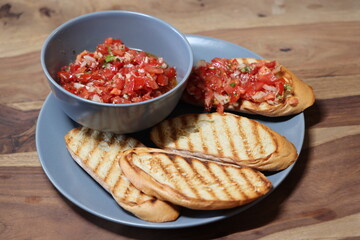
(77, 186)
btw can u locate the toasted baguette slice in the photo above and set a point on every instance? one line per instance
(96, 153)
(302, 96)
(191, 182)
(226, 137)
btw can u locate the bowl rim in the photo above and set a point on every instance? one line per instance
(101, 13)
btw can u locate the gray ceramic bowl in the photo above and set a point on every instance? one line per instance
(137, 31)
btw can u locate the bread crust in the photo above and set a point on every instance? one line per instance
(284, 155)
(152, 210)
(144, 181)
(303, 94)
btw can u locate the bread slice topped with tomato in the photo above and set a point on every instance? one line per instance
(248, 85)
(227, 138)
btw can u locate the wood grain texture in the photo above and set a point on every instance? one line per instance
(319, 40)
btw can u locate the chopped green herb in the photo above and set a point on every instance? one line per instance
(287, 87)
(109, 58)
(109, 49)
(232, 84)
(245, 69)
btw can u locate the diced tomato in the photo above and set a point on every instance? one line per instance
(150, 83)
(136, 99)
(227, 78)
(271, 64)
(107, 74)
(209, 96)
(258, 85)
(102, 48)
(108, 40)
(64, 75)
(170, 72)
(152, 69)
(139, 83)
(140, 57)
(162, 80)
(115, 73)
(280, 85)
(83, 77)
(220, 108)
(129, 85)
(106, 97)
(115, 91)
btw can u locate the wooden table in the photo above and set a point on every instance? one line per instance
(318, 40)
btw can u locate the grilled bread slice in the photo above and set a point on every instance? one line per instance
(96, 152)
(300, 97)
(226, 137)
(191, 182)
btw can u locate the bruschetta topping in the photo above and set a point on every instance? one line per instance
(226, 81)
(117, 74)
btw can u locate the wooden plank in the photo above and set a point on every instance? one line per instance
(334, 229)
(26, 106)
(334, 112)
(17, 130)
(24, 22)
(25, 159)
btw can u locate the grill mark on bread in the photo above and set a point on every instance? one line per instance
(274, 140)
(250, 184)
(225, 180)
(239, 172)
(258, 138)
(172, 131)
(84, 140)
(216, 139)
(216, 178)
(231, 140)
(164, 170)
(99, 139)
(120, 182)
(202, 178)
(184, 124)
(185, 177)
(69, 138)
(202, 140)
(180, 187)
(196, 143)
(109, 170)
(111, 146)
(244, 140)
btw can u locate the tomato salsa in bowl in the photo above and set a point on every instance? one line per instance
(117, 74)
(117, 71)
